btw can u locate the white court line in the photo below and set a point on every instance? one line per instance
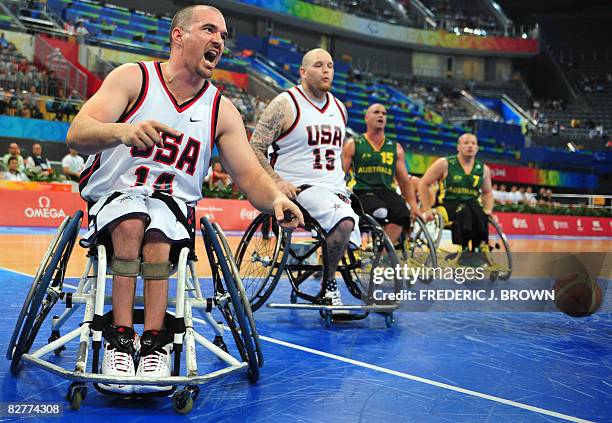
(427, 381)
(401, 374)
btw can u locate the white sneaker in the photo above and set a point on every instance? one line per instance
(156, 364)
(332, 293)
(119, 361)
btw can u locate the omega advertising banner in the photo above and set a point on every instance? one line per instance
(49, 208)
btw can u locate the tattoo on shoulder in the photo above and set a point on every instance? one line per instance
(270, 125)
(267, 130)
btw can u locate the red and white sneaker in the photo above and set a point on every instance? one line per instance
(155, 360)
(120, 344)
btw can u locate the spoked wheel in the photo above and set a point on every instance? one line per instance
(499, 256)
(374, 256)
(45, 291)
(419, 251)
(235, 308)
(260, 258)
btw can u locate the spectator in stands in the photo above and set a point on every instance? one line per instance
(32, 103)
(502, 195)
(3, 41)
(72, 165)
(80, 28)
(13, 173)
(38, 160)
(17, 104)
(514, 196)
(72, 102)
(13, 151)
(530, 197)
(4, 102)
(69, 27)
(219, 179)
(497, 196)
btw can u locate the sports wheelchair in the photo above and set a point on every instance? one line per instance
(497, 253)
(266, 252)
(227, 296)
(417, 248)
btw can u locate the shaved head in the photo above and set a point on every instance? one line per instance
(313, 55)
(184, 17)
(375, 106)
(467, 145)
(467, 137)
(376, 118)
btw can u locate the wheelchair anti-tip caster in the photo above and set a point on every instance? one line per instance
(493, 276)
(389, 320)
(77, 391)
(55, 334)
(182, 401)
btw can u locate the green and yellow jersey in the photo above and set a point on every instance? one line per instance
(374, 168)
(458, 186)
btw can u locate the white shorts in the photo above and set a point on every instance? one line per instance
(135, 203)
(328, 209)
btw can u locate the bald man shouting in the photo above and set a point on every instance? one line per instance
(298, 140)
(376, 163)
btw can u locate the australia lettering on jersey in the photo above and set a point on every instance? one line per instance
(324, 135)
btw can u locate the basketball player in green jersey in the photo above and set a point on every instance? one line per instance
(463, 180)
(376, 163)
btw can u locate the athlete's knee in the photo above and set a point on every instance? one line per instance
(380, 213)
(156, 248)
(127, 237)
(345, 227)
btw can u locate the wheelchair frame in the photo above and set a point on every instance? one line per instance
(496, 270)
(47, 289)
(277, 262)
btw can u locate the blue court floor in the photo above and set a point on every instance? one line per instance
(429, 367)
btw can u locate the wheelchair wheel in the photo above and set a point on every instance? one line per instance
(419, 250)
(260, 258)
(375, 254)
(45, 291)
(235, 309)
(499, 255)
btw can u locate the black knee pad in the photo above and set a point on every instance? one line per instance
(120, 338)
(152, 340)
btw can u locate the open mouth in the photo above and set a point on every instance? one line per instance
(211, 55)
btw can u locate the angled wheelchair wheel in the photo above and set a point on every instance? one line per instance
(375, 254)
(235, 308)
(260, 258)
(435, 229)
(419, 250)
(44, 292)
(499, 256)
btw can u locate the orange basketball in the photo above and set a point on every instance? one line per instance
(577, 295)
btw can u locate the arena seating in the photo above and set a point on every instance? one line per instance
(457, 15)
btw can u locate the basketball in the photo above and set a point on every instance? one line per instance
(577, 295)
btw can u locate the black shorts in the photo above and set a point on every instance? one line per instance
(397, 211)
(469, 222)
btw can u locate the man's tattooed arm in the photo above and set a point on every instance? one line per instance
(269, 127)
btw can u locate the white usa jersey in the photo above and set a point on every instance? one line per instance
(179, 166)
(309, 152)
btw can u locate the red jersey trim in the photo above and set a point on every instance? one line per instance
(179, 107)
(298, 114)
(144, 88)
(321, 110)
(214, 119)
